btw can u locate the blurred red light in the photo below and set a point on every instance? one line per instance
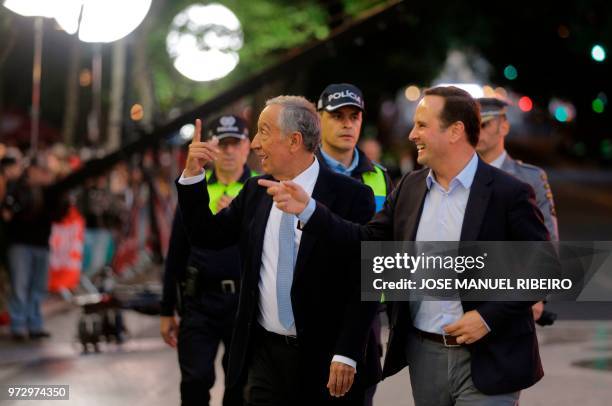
(525, 104)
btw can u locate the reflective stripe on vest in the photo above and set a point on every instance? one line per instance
(376, 181)
(218, 189)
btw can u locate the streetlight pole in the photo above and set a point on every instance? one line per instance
(96, 111)
(36, 74)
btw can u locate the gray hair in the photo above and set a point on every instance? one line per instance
(299, 115)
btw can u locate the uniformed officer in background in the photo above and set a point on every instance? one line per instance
(202, 285)
(491, 148)
(341, 108)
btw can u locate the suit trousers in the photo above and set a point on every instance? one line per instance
(441, 376)
(274, 377)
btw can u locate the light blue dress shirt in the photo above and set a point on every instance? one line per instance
(338, 167)
(442, 219)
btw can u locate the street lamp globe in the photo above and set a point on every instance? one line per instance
(204, 40)
(32, 8)
(101, 21)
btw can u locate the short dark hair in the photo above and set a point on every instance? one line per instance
(458, 106)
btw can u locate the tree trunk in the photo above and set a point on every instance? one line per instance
(115, 114)
(71, 107)
(8, 33)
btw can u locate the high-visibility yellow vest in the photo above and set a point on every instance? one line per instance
(376, 181)
(218, 189)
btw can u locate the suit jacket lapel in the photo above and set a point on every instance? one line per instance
(260, 221)
(480, 192)
(416, 196)
(323, 193)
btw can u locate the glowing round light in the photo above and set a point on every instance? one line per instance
(32, 8)
(501, 92)
(525, 104)
(137, 112)
(488, 91)
(561, 114)
(510, 72)
(187, 131)
(562, 110)
(598, 105)
(85, 78)
(101, 21)
(203, 42)
(563, 31)
(412, 93)
(598, 53)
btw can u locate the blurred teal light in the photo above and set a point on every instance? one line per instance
(510, 72)
(561, 114)
(598, 53)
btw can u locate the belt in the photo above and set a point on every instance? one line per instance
(225, 286)
(444, 339)
(196, 283)
(290, 341)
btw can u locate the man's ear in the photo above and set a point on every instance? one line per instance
(504, 127)
(295, 140)
(457, 131)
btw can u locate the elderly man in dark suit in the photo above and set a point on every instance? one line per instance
(459, 352)
(301, 333)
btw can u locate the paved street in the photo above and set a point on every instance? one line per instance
(577, 358)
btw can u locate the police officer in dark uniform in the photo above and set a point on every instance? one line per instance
(491, 148)
(341, 108)
(202, 285)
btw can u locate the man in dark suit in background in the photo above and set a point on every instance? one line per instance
(301, 333)
(459, 352)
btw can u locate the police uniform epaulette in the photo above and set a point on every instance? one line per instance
(529, 166)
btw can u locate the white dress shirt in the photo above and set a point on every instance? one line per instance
(268, 306)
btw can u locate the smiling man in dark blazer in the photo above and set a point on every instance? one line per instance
(301, 333)
(459, 352)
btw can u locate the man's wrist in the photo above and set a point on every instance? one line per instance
(190, 180)
(190, 174)
(345, 360)
(305, 215)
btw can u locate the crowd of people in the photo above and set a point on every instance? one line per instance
(51, 235)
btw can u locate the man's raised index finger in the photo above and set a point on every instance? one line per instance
(197, 133)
